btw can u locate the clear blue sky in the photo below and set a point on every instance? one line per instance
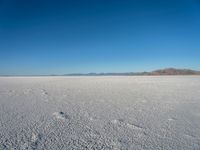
(71, 36)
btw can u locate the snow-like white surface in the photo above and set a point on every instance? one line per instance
(100, 113)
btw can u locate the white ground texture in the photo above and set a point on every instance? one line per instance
(53, 113)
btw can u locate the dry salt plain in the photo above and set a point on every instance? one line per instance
(157, 112)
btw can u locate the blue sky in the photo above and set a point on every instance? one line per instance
(71, 36)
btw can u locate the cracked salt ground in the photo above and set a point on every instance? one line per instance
(121, 122)
(44, 92)
(121, 113)
(61, 115)
(35, 139)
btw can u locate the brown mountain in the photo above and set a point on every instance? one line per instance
(166, 71)
(174, 71)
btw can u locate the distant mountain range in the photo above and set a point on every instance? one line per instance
(166, 71)
(160, 72)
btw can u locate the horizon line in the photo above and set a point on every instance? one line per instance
(131, 73)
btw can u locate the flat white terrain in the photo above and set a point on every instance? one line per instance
(100, 113)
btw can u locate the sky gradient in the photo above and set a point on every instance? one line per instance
(40, 37)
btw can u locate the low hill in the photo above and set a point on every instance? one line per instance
(166, 71)
(173, 71)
